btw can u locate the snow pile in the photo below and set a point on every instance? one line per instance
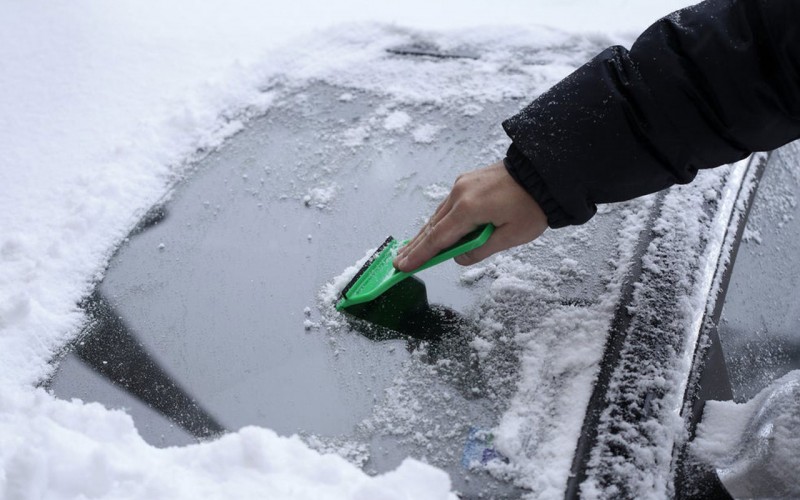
(75, 450)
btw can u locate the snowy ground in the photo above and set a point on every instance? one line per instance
(102, 107)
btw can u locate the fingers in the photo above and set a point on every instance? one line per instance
(484, 195)
(430, 242)
(442, 210)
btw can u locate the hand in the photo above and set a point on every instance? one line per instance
(485, 195)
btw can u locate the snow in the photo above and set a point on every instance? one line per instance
(681, 273)
(397, 120)
(320, 197)
(426, 133)
(104, 107)
(754, 445)
(436, 192)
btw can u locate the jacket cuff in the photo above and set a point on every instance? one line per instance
(522, 170)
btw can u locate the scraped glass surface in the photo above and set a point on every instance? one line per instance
(218, 311)
(760, 324)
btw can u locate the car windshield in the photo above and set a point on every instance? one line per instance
(217, 312)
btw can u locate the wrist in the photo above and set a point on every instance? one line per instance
(524, 173)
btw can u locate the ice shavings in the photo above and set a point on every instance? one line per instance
(751, 235)
(331, 291)
(473, 274)
(354, 452)
(355, 136)
(321, 197)
(433, 406)
(558, 344)
(397, 120)
(436, 192)
(426, 133)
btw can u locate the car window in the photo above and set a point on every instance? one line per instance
(760, 324)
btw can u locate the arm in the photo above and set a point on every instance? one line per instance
(702, 87)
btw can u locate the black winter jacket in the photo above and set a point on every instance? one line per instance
(702, 87)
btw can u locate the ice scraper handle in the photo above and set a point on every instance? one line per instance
(469, 242)
(378, 274)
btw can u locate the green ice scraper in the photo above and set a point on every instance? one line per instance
(378, 274)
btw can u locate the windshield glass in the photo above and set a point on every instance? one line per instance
(217, 313)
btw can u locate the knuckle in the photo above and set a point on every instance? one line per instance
(460, 185)
(468, 204)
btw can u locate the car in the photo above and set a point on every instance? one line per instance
(576, 365)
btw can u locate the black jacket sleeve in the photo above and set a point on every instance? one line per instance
(702, 87)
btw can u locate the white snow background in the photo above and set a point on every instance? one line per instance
(102, 104)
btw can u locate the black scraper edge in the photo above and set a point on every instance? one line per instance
(366, 266)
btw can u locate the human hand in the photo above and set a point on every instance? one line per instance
(478, 197)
